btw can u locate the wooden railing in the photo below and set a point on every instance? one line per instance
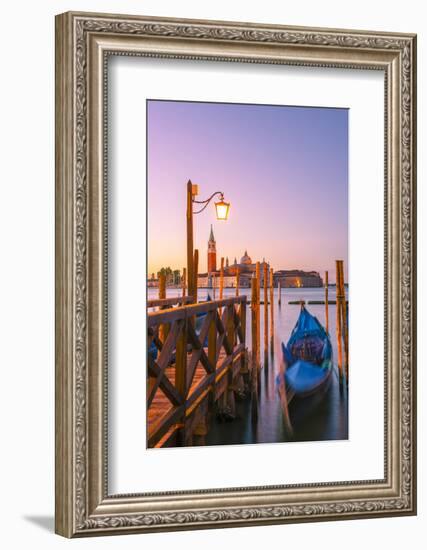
(164, 302)
(196, 362)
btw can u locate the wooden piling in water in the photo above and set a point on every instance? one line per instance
(163, 329)
(265, 314)
(221, 280)
(212, 350)
(343, 306)
(242, 314)
(338, 320)
(162, 286)
(237, 281)
(279, 288)
(272, 311)
(231, 336)
(196, 274)
(258, 310)
(254, 354)
(190, 239)
(327, 301)
(183, 281)
(213, 286)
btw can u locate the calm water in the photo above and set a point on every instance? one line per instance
(327, 421)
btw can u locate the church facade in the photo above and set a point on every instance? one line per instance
(246, 268)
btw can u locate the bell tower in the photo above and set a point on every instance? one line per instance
(211, 253)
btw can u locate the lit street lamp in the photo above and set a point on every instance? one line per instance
(222, 208)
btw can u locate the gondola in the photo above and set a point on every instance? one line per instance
(305, 375)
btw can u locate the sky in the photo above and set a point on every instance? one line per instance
(284, 170)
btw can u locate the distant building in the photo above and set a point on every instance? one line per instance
(291, 278)
(205, 281)
(245, 268)
(295, 278)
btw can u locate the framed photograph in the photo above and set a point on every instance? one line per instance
(235, 274)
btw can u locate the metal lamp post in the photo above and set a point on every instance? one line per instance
(222, 209)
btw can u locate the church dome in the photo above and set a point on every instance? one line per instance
(245, 259)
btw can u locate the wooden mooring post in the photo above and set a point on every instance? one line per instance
(163, 328)
(258, 310)
(265, 314)
(279, 289)
(221, 280)
(339, 320)
(255, 343)
(162, 286)
(327, 301)
(231, 336)
(237, 281)
(196, 274)
(183, 281)
(181, 375)
(272, 311)
(341, 300)
(190, 239)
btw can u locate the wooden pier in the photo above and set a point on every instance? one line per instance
(196, 370)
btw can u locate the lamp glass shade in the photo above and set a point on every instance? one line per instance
(222, 209)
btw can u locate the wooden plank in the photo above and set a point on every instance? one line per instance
(231, 326)
(222, 325)
(169, 345)
(169, 439)
(198, 350)
(169, 301)
(157, 430)
(169, 315)
(222, 366)
(164, 357)
(181, 361)
(163, 383)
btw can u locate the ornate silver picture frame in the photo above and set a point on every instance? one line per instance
(84, 505)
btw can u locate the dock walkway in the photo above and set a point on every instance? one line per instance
(196, 362)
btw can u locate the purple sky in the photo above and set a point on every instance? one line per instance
(284, 170)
